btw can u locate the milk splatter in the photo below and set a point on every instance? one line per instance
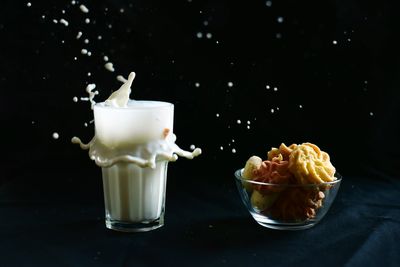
(65, 22)
(79, 35)
(84, 9)
(109, 66)
(89, 90)
(55, 135)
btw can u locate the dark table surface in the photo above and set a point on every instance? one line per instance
(58, 220)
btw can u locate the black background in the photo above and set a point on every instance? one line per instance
(338, 85)
(349, 91)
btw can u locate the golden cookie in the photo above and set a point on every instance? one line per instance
(311, 165)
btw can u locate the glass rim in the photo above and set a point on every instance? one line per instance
(158, 104)
(238, 176)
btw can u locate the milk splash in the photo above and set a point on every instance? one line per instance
(144, 154)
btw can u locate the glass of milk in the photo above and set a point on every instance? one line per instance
(130, 141)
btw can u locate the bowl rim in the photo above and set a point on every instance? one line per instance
(238, 176)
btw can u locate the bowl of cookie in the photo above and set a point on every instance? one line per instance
(292, 189)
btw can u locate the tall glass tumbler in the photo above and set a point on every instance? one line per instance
(134, 196)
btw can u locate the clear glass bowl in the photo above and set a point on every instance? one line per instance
(287, 206)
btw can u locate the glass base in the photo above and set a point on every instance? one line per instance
(286, 227)
(279, 225)
(131, 227)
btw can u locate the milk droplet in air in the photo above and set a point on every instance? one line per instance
(272, 110)
(230, 84)
(248, 122)
(109, 66)
(371, 114)
(56, 135)
(63, 21)
(267, 87)
(89, 53)
(221, 147)
(121, 79)
(279, 19)
(79, 35)
(334, 42)
(239, 121)
(192, 147)
(300, 106)
(268, 3)
(55, 21)
(28, 4)
(89, 89)
(217, 115)
(99, 37)
(199, 35)
(84, 51)
(233, 150)
(275, 89)
(87, 20)
(209, 35)
(73, 2)
(75, 99)
(86, 41)
(84, 9)
(105, 58)
(197, 84)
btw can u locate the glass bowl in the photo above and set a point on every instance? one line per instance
(287, 206)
